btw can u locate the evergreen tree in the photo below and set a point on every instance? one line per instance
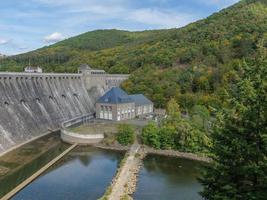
(239, 170)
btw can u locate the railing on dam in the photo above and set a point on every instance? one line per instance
(77, 120)
(74, 137)
(23, 75)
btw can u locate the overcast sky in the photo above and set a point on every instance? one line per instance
(30, 24)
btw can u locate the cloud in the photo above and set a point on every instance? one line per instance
(54, 37)
(4, 41)
(219, 3)
(160, 18)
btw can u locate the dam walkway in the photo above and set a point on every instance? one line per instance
(126, 173)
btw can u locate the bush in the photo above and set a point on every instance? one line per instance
(125, 134)
(150, 135)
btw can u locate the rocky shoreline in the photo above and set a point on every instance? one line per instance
(178, 154)
(148, 150)
(131, 165)
(133, 176)
(113, 147)
(124, 183)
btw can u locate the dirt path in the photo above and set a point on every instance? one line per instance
(125, 174)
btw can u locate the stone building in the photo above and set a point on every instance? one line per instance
(86, 69)
(143, 105)
(117, 105)
(31, 69)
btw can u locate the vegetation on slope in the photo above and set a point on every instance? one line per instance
(190, 64)
(186, 134)
(239, 139)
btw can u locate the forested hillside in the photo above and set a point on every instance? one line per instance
(192, 64)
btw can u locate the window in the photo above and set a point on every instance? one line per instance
(145, 109)
(151, 108)
(139, 110)
(101, 115)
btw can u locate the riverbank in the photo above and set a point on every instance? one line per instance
(148, 150)
(178, 154)
(124, 183)
(111, 147)
(27, 142)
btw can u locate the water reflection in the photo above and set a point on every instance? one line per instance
(26, 160)
(168, 178)
(83, 174)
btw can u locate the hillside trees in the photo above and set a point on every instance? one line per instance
(239, 170)
(189, 64)
(176, 132)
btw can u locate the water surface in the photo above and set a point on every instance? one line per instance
(19, 164)
(168, 178)
(84, 173)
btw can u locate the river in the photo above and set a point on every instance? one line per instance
(84, 173)
(168, 178)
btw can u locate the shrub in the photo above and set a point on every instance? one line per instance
(150, 135)
(125, 134)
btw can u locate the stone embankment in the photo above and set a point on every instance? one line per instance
(124, 183)
(177, 154)
(113, 148)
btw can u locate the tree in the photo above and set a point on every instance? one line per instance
(200, 113)
(239, 170)
(125, 134)
(150, 135)
(173, 109)
(166, 134)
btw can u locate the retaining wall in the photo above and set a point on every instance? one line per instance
(73, 138)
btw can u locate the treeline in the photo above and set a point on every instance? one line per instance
(235, 139)
(190, 64)
(182, 133)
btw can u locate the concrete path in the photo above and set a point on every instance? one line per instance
(36, 174)
(118, 189)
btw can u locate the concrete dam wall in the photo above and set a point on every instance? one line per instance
(32, 104)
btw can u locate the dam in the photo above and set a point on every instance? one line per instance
(32, 104)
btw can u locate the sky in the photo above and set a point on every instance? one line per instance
(26, 25)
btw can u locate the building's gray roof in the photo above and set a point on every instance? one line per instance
(115, 96)
(140, 99)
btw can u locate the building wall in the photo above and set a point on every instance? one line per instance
(106, 81)
(106, 111)
(144, 109)
(116, 112)
(125, 111)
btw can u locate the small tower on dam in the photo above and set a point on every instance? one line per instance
(99, 78)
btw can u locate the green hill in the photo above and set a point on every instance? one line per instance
(191, 64)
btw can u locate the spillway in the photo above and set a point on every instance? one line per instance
(32, 104)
